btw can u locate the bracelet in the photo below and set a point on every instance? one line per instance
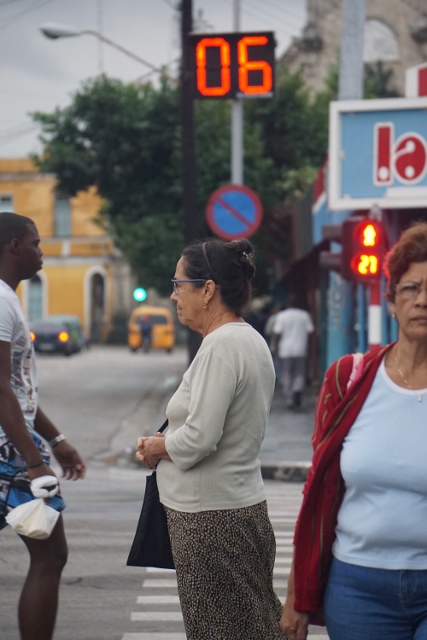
(33, 466)
(56, 440)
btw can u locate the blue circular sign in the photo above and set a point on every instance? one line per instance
(233, 212)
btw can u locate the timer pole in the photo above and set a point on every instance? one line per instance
(237, 120)
(189, 187)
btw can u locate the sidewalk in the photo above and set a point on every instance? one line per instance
(286, 451)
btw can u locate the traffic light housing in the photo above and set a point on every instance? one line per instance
(363, 246)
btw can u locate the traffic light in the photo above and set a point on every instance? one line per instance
(363, 244)
(139, 294)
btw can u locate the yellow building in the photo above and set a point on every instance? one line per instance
(83, 273)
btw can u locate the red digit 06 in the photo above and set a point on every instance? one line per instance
(224, 48)
(255, 65)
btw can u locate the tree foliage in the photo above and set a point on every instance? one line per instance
(126, 140)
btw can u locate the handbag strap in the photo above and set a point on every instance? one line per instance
(163, 427)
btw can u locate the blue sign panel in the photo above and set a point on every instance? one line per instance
(378, 154)
(233, 212)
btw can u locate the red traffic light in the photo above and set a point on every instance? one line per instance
(363, 249)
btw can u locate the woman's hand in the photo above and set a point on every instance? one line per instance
(294, 623)
(151, 450)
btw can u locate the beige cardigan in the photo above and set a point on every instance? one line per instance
(217, 421)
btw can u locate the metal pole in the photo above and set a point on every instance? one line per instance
(236, 120)
(189, 188)
(341, 308)
(374, 307)
(188, 145)
(350, 85)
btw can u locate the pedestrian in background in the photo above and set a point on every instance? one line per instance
(209, 474)
(361, 541)
(292, 329)
(23, 455)
(271, 340)
(146, 330)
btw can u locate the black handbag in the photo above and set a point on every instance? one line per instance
(151, 546)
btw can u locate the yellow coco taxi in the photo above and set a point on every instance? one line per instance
(151, 328)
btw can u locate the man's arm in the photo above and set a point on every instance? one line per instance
(12, 420)
(72, 465)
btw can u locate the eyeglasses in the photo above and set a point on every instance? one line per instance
(408, 290)
(175, 283)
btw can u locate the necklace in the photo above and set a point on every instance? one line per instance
(420, 395)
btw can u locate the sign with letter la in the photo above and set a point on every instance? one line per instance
(378, 154)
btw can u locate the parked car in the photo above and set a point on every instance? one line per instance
(162, 335)
(57, 334)
(78, 336)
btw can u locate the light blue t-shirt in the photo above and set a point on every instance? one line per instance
(382, 522)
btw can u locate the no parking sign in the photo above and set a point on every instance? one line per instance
(233, 212)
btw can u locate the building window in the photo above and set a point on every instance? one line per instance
(35, 299)
(6, 203)
(62, 217)
(380, 42)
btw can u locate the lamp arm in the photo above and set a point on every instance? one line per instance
(127, 52)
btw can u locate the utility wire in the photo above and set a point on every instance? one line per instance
(18, 131)
(6, 2)
(170, 4)
(283, 11)
(32, 7)
(265, 13)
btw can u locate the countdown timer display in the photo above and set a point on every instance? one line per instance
(229, 65)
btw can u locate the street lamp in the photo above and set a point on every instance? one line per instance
(55, 30)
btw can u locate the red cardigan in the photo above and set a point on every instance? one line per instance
(336, 411)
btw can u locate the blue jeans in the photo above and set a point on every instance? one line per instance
(375, 604)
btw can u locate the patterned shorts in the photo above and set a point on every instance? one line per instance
(224, 567)
(14, 480)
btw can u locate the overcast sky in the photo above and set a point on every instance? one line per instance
(38, 74)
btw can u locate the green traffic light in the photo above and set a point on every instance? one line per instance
(140, 294)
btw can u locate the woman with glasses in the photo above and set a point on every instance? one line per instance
(209, 473)
(360, 556)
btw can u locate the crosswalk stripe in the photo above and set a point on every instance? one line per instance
(151, 583)
(168, 616)
(157, 600)
(154, 636)
(167, 572)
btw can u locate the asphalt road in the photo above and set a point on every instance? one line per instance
(102, 400)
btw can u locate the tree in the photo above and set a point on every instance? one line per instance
(126, 140)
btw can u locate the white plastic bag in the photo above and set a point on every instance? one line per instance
(34, 519)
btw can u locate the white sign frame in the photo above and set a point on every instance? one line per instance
(410, 197)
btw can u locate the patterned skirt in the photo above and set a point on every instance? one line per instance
(14, 479)
(224, 566)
